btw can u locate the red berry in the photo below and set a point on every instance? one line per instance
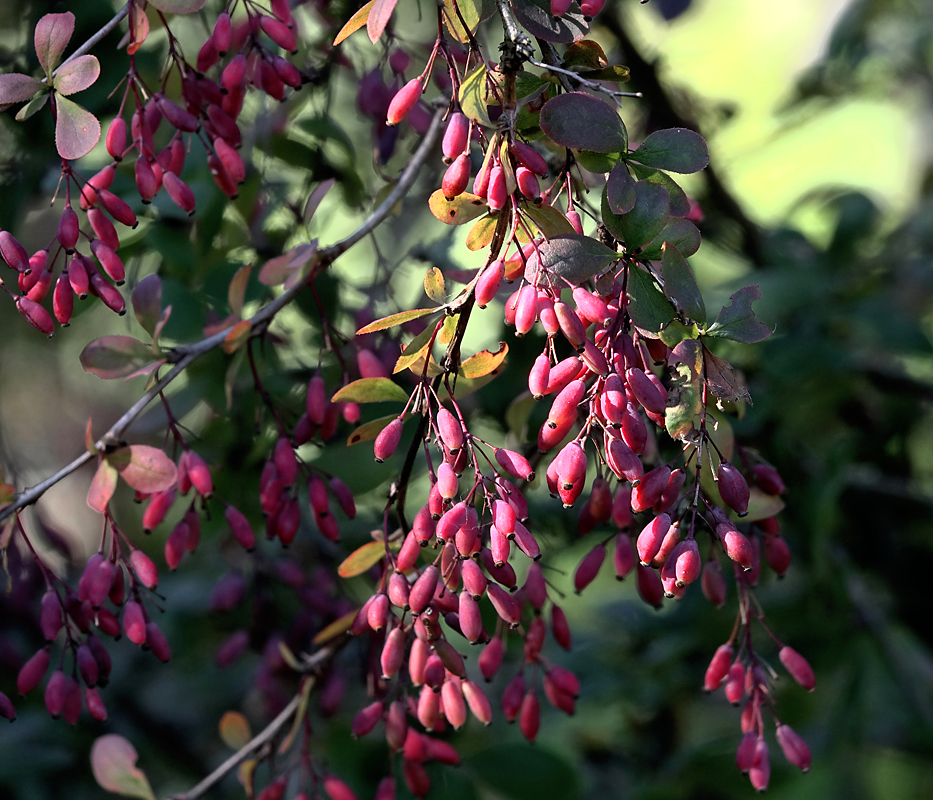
(403, 101)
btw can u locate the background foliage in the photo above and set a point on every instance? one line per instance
(821, 192)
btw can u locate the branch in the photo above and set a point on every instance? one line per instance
(86, 47)
(267, 734)
(185, 355)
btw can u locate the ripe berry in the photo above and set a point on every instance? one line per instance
(403, 101)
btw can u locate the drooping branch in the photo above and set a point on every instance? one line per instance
(185, 355)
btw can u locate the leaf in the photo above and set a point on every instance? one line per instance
(684, 404)
(103, 485)
(113, 762)
(737, 321)
(460, 210)
(89, 442)
(147, 469)
(115, 356)
(649, 309)
(583, 122)
(378, 18)
(472, 97)
(334, 630)
(535, 17)
(517, 414)
(178, 6)
(317, 195)
(32, 107)
(147, 302)
(77, 130)
(414, 348)
(361, 559)
(277, 270)
(238, 336)
(482, 233)
(369, 430)
(572, 256)
(470, 10)
(236, 291)
(761, 505)
(676, 332)
(16, 87)
(680, 285)
(77, 75)
(585, 53)
(597, 163)
(620, 190)
(357, 21)
(680, 204)
(370, 390)
(548, 220)
(166, 313)
(53, 32)
(395, 319)
(139, 29)
(615, 73)
(721, 379)
(234, 730)
(690, 353)
(434, 285)
(645, 221)
(484, 362)
(675, 149)
(446, 334)
(680, 233)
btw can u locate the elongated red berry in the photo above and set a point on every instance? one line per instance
(35, 315)
(713, 583)
(221, 33)
(732, 488)
(179, 191)
(31, 673)
(588, 568)
(529, 720)
(760, 772)
(530, 158)
(794, 747)
(279, 32)
(388, 440)
(404, 101)
(497, 193)
(718, 667)
(489, 282)
(798, 667)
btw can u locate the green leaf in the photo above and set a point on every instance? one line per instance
(434, 285)
(645, 221)
(548, 220)
(470, 10)
(370, 390)
(585, 53)
(482, 233)
(415, 348)
(77, 75)
(615, 73)
(599, 163)
(53, 32)
(737, 321)
(16, 87)
(649, 309)
(147, 302)
(484, 362)
(178, 6)
(77, 130)
(115, 357)
(676, 332)
(675, 149)
(518, 413)
(473, 97)
(357, 21)
(460, 210)
(361, 559)
(583, 122)
(32, 107)
(681, 233)
(113, 762)
(684, 404)
(103, 485)
(395, 319)
(620, 190)
(147, 469)
(572, 256)
(535, 17)
(369, 430)
(680, 285)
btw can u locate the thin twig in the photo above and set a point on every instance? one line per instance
(185, 355)
(268, 733)
(596, 87)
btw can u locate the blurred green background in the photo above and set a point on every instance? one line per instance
(818, 115)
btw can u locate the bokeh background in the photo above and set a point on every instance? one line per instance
(818, 115)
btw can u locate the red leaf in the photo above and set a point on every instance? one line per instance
(102, 486)
(145, 468)
(77, 130)
(113, 762)
(53, 32)
(16, 87)
(77, 75)
(379, 18)
(277, 270)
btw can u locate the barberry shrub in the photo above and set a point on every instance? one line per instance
(403, 408)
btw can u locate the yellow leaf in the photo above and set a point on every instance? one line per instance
(361, 559)
(334, 630)
(357, 21)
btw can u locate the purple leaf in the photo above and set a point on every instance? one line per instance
(583, 122)
(16, 87)
(147, 302)
(53, 32)
(77, 75)
(115, 356)
(77, 130)
(147, 469)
